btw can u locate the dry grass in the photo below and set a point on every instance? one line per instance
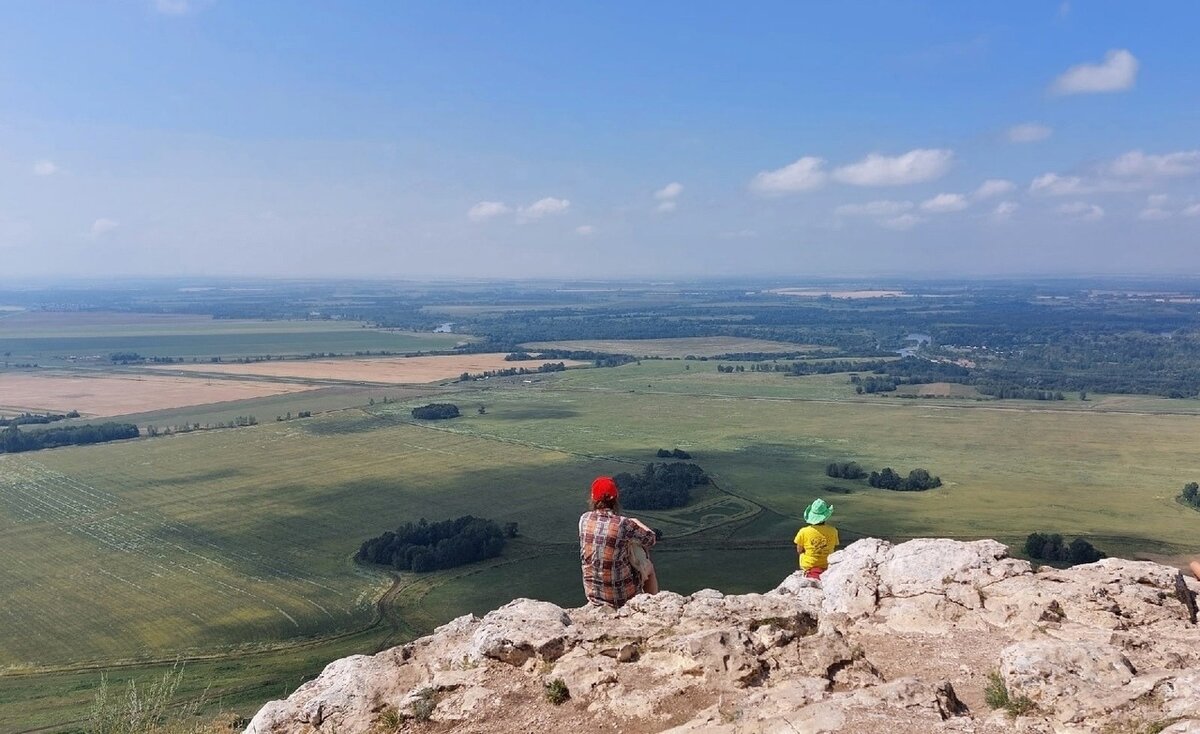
(395, 370)
(109, 395)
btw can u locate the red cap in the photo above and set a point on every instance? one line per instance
(604, 488)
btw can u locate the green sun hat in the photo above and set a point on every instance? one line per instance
(818, 512)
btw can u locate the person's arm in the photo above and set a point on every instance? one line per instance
(1195, 566)
(640, 533)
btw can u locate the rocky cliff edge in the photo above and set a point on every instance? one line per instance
(894, 639)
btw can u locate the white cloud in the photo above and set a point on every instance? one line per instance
(1116, 73)
(1053, 184)
(902, 222)
(666, 196)
(45, 168)
(1081, 211)
(1128, 172)
(585, 230)
(1004, 210)
(486, 210)
(103, 226)
(670, 191)
(542, 208)
(882, 208)
(915, 166)
(805, 174)
(1191, 211)
(1136, 164)
(993, 187)
(944, 203)
(1155, 209)
(1028, 132)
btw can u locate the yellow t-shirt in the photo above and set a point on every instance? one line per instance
(816, 542)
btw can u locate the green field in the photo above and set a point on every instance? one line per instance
(232, 547)
(55, 338)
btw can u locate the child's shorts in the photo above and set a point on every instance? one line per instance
(814, 572)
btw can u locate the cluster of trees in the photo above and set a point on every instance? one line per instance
(660, 486)
(673, 454)
(514, 371)
(14, 440)
(1052, 547)
(34, 419)
(426, 546)
(1191, 495)
(918, 480)
(436, 411)
(289, 416)
(845, 470)
(872, 384)
(730, 368)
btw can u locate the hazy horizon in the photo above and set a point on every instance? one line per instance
(208, 139)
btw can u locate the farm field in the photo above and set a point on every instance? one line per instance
(237, 543)
(73, 337)
(1008, 472)
(112, 394)
(239, 538)
(395, 370)
(677, 347)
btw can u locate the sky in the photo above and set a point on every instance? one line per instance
(624, 139)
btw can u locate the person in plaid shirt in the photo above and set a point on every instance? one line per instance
(609, 546)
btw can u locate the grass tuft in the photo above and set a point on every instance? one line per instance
(996, 694)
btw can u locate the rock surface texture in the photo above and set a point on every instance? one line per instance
(894, 638)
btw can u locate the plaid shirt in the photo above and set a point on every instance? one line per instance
(608, 578)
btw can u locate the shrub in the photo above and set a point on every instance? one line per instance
(149, 709)
(556, 691)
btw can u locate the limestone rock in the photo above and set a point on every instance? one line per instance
(520, 630)
(893, 638)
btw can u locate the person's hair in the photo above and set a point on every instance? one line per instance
(612, 504)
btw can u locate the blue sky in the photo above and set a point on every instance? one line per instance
(164, 137)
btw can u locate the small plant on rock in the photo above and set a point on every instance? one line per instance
(390, 721)
(424, 705)
(556, 691)
(995, 693)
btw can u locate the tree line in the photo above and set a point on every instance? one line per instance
(35, 419)
(660, 486)
(424, 546)
(1052, 547)
(514, 371)
(13, 440)
(844, 470)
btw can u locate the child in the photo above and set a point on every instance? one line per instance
(816, 540)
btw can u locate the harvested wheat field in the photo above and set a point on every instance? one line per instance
(109, 395)
(395, 370)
